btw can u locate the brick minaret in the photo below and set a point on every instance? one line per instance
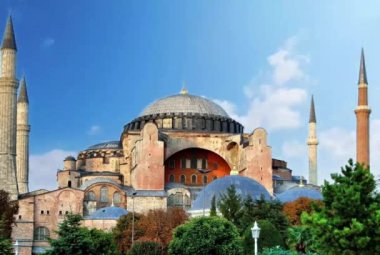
(22, 145)
(8, 90)
(312, 143)
(362, 112)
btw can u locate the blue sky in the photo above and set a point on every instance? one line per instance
(92, 66)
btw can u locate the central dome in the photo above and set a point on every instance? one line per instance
(184, 103)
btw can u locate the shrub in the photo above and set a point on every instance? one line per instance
(145, 248)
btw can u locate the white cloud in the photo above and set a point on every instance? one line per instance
(94, 130)
(47, 42)
(338, 142)
(43, 168)
(294, 149)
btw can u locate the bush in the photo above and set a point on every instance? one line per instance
(269, 237)
(145, 248)
(277, 251)
(206, 235)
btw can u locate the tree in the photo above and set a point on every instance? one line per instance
(230, 205)
(146, 248)
(5, 242)
(213, 206)
(7, 211)
(299, 238)
(76, 240)
(277, 251)
(349, 222)
(294, 209)
(206, 235)
(269, 237)
(123, 232)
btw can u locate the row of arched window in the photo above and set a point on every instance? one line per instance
(90, 196)
(194, 179)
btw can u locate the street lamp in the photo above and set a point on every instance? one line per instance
(255, 234)
(16, 247)
(133, 216)
(203, 172)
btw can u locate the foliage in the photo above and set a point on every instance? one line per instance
(294, 209)
(76, 240)
(156, 225)
(5, 242)
(145, 248)
(230, 205)
(7, 211)
(213, 206)
(299, 238)
(277, 251)
(206, 235)
(349, 222)
(269, 237)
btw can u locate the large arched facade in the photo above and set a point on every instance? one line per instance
(182, 167)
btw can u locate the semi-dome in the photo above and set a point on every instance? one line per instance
(107, 213)
(244, 187)
(297, 192)
(105, 145)
(184, 103)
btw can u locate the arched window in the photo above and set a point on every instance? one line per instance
(171, 178)
(193, 179)
(104, 194)
(90, 196)
(69, 184)
(183, 179)
(205, 180)
(41, 234)
(116, 198)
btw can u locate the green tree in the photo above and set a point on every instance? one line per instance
(277, 251)
(349, 221)
(299, 238)
(8, 209)
(146, 248)
(269, 237)
(76, 240)
(213, 206)
(206, 235)
(230, 205)
(5, 242)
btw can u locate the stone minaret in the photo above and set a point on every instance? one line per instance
(312, 143)
(22, 145)
(8, 91)
(362, 112)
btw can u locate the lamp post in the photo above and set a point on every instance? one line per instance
(16, 247)
(203, 172)
(255, 234)
(133, 216)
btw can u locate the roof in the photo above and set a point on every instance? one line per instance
(107, 213)
(312, 118)
(88, 183)
(105, 145)
(362, 70)
(23, 95)
(9, 41)
(244, 186)
(184, 103)
(297, 192)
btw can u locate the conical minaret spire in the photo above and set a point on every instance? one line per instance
(8, 105)
(22, 142)
(312, 143)
(9, 41)
(362, 112)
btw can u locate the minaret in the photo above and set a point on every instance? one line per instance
(312, 143)
(8, 90)
(22, 145)
(362, 112)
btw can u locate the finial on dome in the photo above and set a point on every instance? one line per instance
(184, 90)
(301, 181)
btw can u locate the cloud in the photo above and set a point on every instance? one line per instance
(43, 168)
(94, 130)
(48, 42)
(294, 149)
(274, 107)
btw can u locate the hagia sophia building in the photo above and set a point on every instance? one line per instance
(179, 152)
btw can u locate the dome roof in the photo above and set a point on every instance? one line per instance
(184, 103)
(297, 192)
(105, 145)
(244, 186)
(107, 213)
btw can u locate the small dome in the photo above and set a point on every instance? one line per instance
(297, 192)
(107, 213)
(105, 145)
(244, 186)
(184, 103)
(69, 158)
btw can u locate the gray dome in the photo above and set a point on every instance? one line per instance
(184, 103)
(244, 186)
(105, 145)
(107, 213)
(297, 192)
